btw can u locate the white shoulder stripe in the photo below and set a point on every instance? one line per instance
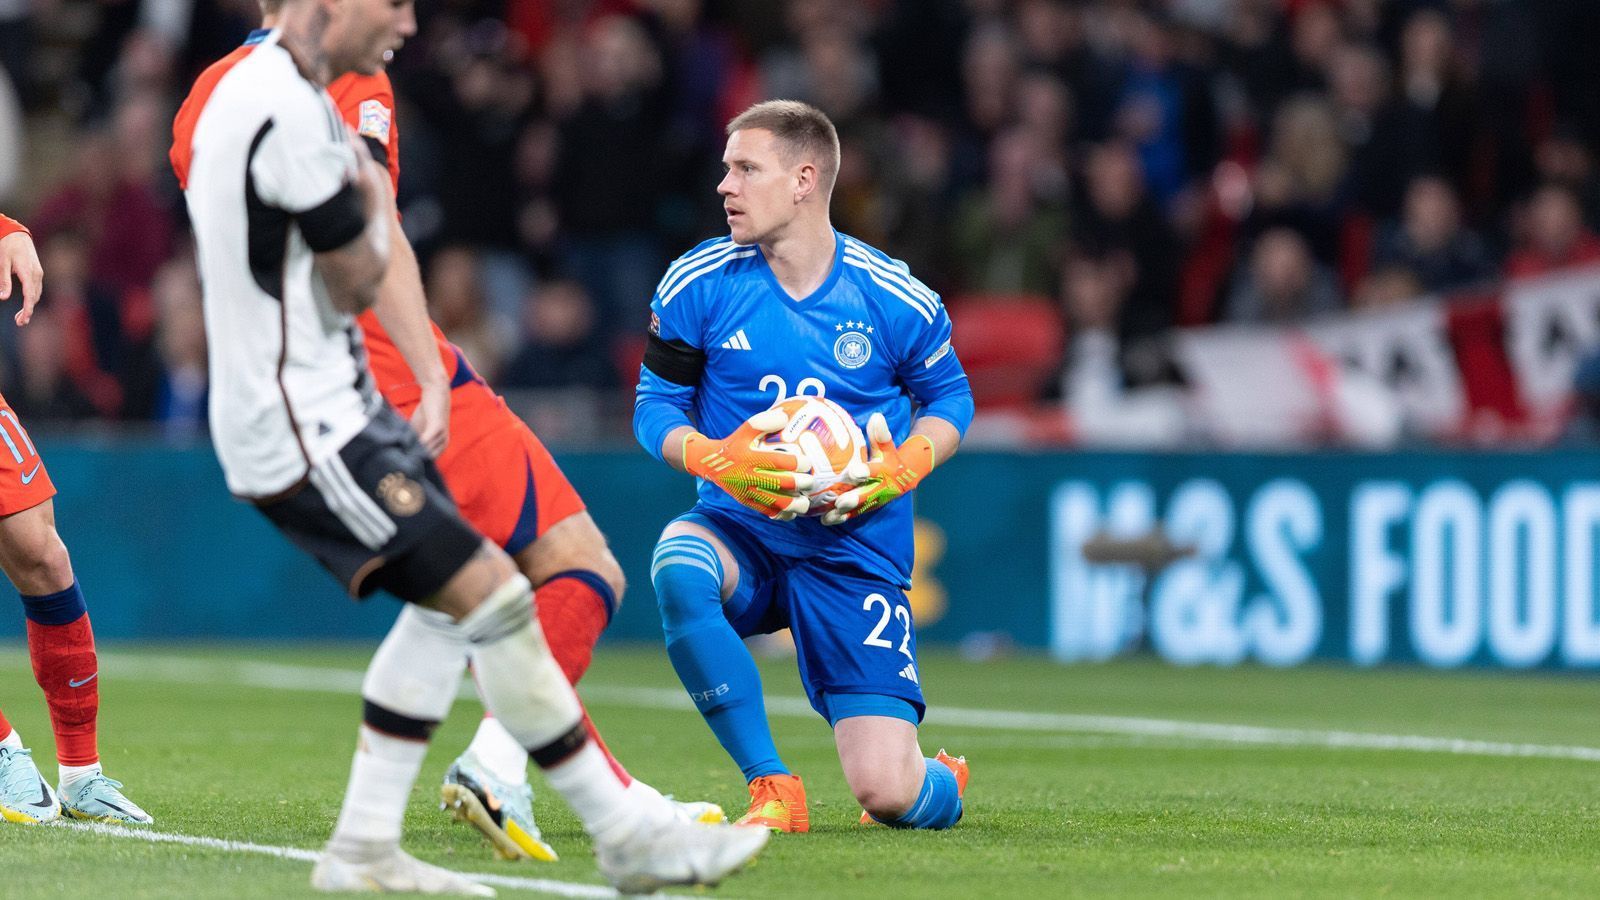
(715, 262)
(892, 266)
(691, 260)
(886, 276)
(889, 286)
(925, 297)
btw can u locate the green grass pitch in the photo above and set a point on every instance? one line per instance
(253, 743)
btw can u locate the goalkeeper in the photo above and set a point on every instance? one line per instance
(784, 305)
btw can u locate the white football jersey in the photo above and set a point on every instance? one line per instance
(269, 185)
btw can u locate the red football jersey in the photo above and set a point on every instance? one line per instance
(9, 226)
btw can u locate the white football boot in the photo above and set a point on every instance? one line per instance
(661, 852)
(396, 872)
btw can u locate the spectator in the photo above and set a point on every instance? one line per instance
(1165, 111)
(1283, 284)
(1301, 182)
(1431, 241)
(48, 393)
(181, 396)
(1554, 235)
(456, 301)
(1115, 220)
(608, 187)
(113, 199)
(1385, 288)
(1006, 236)
(559, 349)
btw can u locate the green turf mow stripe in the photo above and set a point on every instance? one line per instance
(275, 676)
(543, 885)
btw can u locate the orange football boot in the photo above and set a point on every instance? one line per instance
(779, 803)
(956, 764)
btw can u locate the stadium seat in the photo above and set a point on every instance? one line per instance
(1011, 346)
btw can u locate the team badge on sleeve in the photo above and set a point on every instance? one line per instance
(374, 121)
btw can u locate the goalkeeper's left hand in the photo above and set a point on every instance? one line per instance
(890, 473)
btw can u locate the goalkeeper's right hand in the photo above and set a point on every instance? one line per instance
(767, 481)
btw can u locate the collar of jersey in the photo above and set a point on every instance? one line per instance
(822, 289)
(257, 36)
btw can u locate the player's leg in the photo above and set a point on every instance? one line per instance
(856, 648)
(884, 766)
(702, 586)
(61, 647)
(381, 486)
(640, 842)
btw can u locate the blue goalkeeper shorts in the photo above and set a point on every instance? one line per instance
(852, 630)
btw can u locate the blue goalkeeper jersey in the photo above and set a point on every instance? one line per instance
(728, 342)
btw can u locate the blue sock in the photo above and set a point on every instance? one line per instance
(938, 803)
(709, 657)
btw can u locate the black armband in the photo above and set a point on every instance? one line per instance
(674, 361)
(335, 223)
(378, 150)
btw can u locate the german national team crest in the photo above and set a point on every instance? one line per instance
(400, 494)
(853, 347)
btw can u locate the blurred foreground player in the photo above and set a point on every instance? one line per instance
(786, 303)
(504, 481)
(293, 225)
(60, 641)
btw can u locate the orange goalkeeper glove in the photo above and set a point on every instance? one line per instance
(767, 481)
(890, 473)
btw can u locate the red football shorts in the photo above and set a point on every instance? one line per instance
(504, 481)
(24, 483)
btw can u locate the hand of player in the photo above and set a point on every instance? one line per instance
(18, 258)
(889, 473)
(767, 481)
(431, 418)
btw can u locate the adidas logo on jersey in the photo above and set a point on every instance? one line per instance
(737, 342)
(909, 673)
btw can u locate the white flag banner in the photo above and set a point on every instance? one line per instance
(1253, 386)
(1407, 350)
(1550, 324)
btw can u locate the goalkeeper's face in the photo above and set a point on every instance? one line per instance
(761, 190)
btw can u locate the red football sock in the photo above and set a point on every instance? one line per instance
(574, 607)
(65, 666)
(5, 727)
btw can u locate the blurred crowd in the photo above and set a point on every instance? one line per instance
(1127, 166)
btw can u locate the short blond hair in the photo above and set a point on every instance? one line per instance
(803, 132)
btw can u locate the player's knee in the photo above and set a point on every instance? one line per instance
(610, 571)
(687, 575)
(886, 798)
(39, 563)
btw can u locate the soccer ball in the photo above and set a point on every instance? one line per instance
(822, 434)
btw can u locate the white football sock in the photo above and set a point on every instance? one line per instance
(70, 774)
(532, 700)
(496, 750)
(518, 678)
(381, 776)
(414, 676)
(13, 741)
(608, 811)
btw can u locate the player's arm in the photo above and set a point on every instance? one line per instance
(764, 480)
(402, 310)
(19, 260)
(939, 384)
(350, 235)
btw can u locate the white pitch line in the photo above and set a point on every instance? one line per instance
(277, 676)
(543, 885)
